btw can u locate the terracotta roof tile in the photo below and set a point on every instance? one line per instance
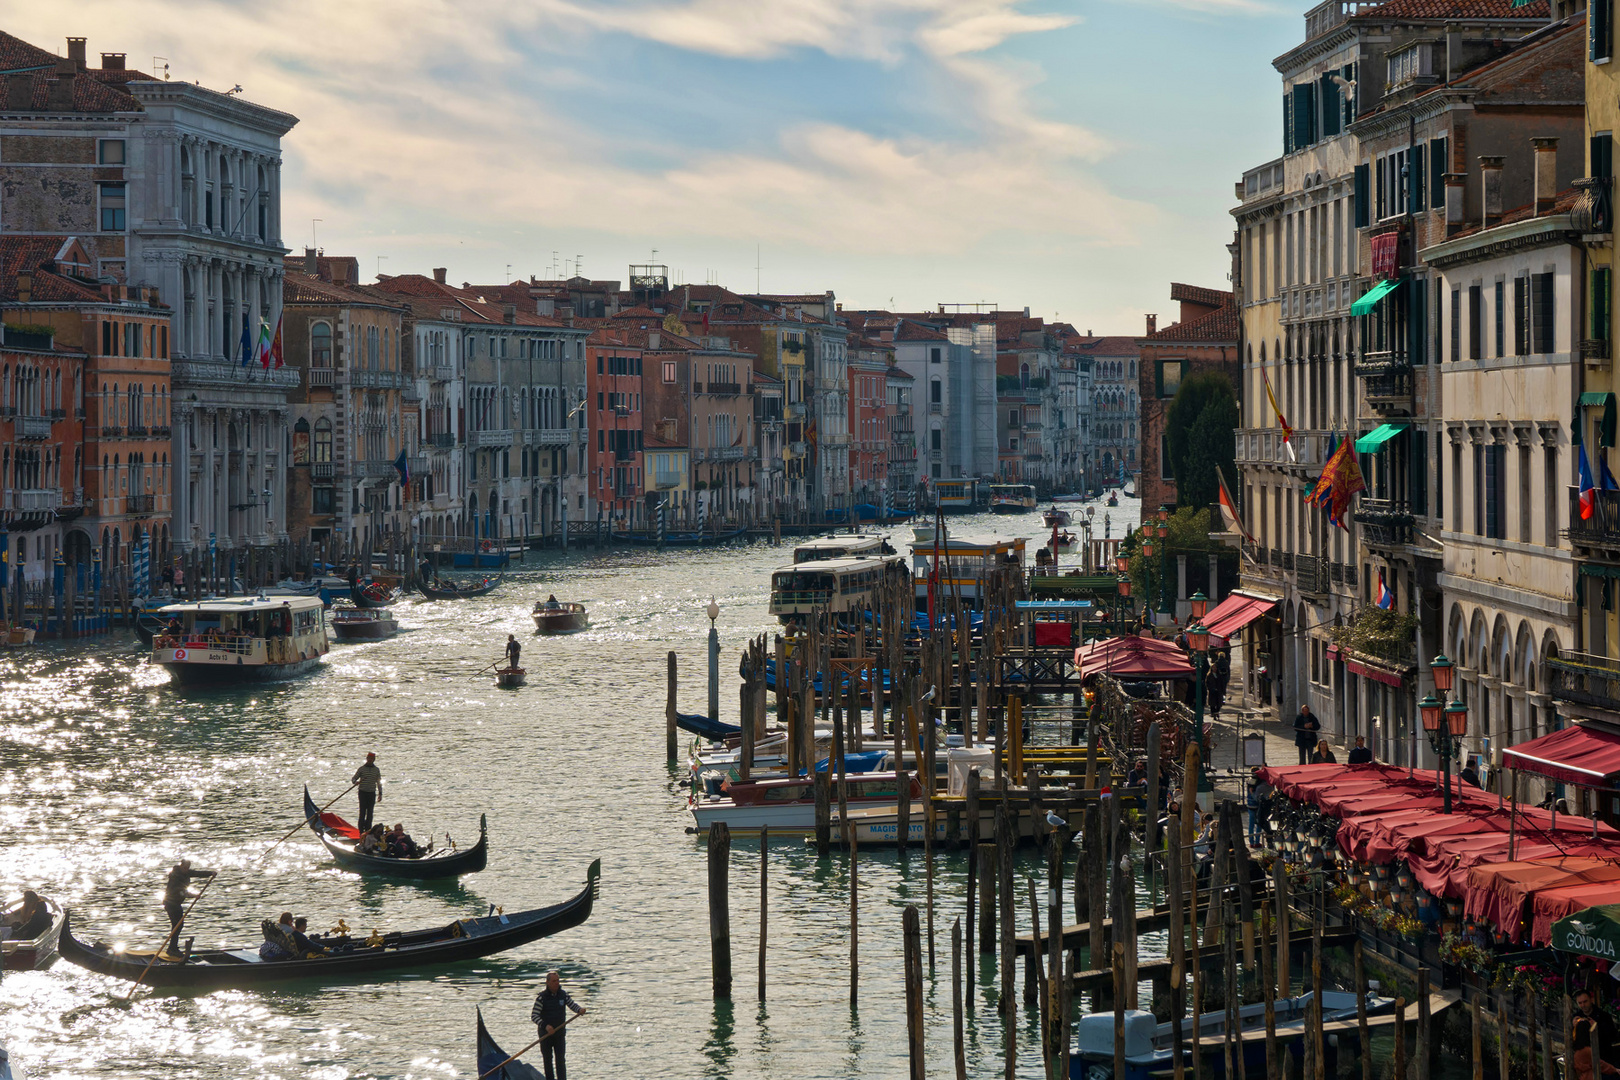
(1197, 294)
(1536, 11)
(1105, 346)
(301, 288)
(1218, 325)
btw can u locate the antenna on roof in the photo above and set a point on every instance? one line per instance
(312, 221)
(508, 273)
(163, 67)
(756, 267)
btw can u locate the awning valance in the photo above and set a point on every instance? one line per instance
(1374, 440)
(1370, 298)
(1235, 612)
(1601, 399)
(1581, 755)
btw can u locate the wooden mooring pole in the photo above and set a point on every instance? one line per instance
(914, 991)
(764, 909)
(669, 709)
(956, 999)
(720, 908)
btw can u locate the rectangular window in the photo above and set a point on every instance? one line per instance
(1170, 375)
(1600, 29)
(1456, 324)
(1602, 164)
(1361, 194)
(1420, 473)
(1456, 488)
(1521, 320)
(1476, 322)
(321, 500)
(1500, 313)
(934, 439)
(112, 207)
(106, 339)
(1438, 163)
(1549, 494)
(110, 152)
(933, 355)
(1602, 297)
(669, 371)
(1524, 494)
(1494, 491)
(1542, 313)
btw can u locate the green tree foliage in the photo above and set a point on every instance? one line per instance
(1198, 433)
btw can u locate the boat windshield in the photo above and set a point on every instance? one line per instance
(803, 586)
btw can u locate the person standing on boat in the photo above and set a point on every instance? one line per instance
(513, 650)
(549, 1015)
(175, 894)
(369, 780)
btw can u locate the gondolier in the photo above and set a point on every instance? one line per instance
(368, 778)
(549, 1016)
(513, 650)
(175, 894)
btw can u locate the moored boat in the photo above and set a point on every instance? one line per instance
(510, 678)
(450, 589)
(554, 616)
(347, 957)
(788, 803)
(340, 839)
(26, 954)
(363, 624)
(241, 638)
(15, 637)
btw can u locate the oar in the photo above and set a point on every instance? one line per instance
(531, 1046)
(485, 668)
(174, 935)
(305, 822)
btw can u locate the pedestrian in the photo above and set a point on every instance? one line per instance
(1323, 755)
(179, 578)
(514, 649)
(1306, 725)
(168, 579)
(1591, 1025)
(549, 1017)
(1259, 803)
(175, 894)
(368, 778)
(1470, 772)
(1361, 754)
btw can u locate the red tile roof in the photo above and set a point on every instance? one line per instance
(300, 288)
(1105, 346)
(1563, 204)
(914, 331)
(1218, 325)
(1536, 11)
(1197, 294)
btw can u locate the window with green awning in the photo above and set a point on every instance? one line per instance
(1600, 399)
(1374, 440)
(1370, 298)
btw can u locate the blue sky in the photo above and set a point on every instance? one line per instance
(1074, 156)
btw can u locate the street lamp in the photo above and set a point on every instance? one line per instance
(1163, 528)
(1122, 605)
(1198, 638)
(713, 611)
(1445, 721)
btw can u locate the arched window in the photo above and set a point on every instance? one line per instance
(323, 440)
(320, 345)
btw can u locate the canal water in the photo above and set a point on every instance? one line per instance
(108, 775)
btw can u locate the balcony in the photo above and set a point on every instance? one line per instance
(417, 464)
(1602, 529)
(1324, 17)
(441, 440)
(1595, 351)
(441, 372)
(322, 472)
(492, 437)
(545, 436)
(160, 431)
(1384, 522)
(1584, 680)
(728, 453)
(139, 504)
(730, 389)
(1311, 575)
(377, 470)
(935, 408)
(666, 480)
(34, 427)
(1388, 380)
(137, 431)
(319, 376)
(109, 431)
(33, 500)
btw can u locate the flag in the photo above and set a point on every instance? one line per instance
(247, 342)
(1341, 480)
(264, 344)
(1588, 492)
(1229, 511)
(1386, 599)
(275, 345)
(1282, 421)
(403, 467)
(1606, 479)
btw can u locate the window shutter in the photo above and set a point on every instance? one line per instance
(1456, 324)
(1331, 105)
(1601, 299)
(1599, 22)
(1362, 177)
(1349, 72)
(1417, 323)
(1420, 473)
(1602, 156)
(1542, 312)
(1438, 161)
(1288, 123)
(1521, 321)
(1415, 177)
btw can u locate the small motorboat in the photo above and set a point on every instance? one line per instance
(26, 954)
(340, 838)
(556, 617)
(363, 624)
(15, 637)
(356, 957)
(510, 678)
(1056, 519)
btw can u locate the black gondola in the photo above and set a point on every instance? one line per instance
(339, 838)
(350, 958)
(446, 589)
(651, 539)
(375, 595)
(491, 1055)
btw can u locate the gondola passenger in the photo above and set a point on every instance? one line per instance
(306, 947)
(32, 919)
(374, 842)
(274, 934)
(400, 844)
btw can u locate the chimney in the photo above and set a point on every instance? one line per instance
(1490, 189)
(312, 262)
(25, 287)
(339, 268)
(509, 313)
(19, 92)
(76, 51)
(1152, 324)
(1456, 182)
(438, 274)
(1546, 174)
(59, 91)
(111, 61)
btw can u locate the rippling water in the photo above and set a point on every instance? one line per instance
(108, 776)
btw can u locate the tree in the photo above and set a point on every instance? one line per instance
(1198, 436)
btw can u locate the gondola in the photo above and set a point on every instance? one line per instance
(510, 678)
(491, 1055)
(339, 837)
(374, 595)
(705, 728)
(352, 958)
(443, 589)
(651, 539)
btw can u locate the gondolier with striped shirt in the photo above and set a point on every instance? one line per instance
(549, 1015)
(368, 778)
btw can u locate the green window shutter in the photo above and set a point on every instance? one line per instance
(1600, 304)
(1437, 172)
(1363, 175)
(1415, 173)
(1288, 123)
(1602, 156)
(1349, 72)
(1417, 323)
(1600, 29)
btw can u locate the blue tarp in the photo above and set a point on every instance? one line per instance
(863, 762)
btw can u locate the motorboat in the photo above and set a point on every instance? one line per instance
(1012, 498)
(26, 954)
(1057, 519)
(241, 638)
(554, 616)
(363, 624)
(788, 803)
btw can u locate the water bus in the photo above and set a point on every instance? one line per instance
(241, 638)
(1012, 498)
(840, 586)
(957, 496)
(965, 564)
(848, 546)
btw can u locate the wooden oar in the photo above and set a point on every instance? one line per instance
(174, 935)
(305, 822)
(531, 1046)
(486, 667)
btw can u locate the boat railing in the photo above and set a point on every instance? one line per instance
(801, 597)
(234, 643)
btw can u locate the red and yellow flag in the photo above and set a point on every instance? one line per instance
(1282, 421)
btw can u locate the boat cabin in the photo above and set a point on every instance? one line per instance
(836, 585)
(1012, 498)
(240, 632)
(957, 496)
(841, 547)
(965, 564)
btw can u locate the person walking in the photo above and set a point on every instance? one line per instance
(368, 778)
(549, 1016)
(1306, 725)
(1361, 754)
(175, 894)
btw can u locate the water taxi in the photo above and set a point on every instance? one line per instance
(553, 616)
(840, 586)
(849, 546)
(965, 564)
(241, 638)
(1012, 498)
(957, 496)
(363, 624)
(788, 803)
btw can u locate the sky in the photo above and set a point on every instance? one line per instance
(1069, 156)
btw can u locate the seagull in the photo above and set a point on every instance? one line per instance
(1056, 822)
(930, 695)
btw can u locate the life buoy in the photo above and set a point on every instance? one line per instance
(487, 546)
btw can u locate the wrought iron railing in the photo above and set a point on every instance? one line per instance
(1584, 679)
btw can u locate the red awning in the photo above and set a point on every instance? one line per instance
(1235, 612)
(1385, 255)
(1550, 905)
(1388, 678)
(1581, 755)
(1140, 657)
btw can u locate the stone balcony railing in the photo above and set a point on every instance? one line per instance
(441, 440)
(34, 427)
(319, 376)
(139, 504)
(33, 499)
(492, 437)
(546, 436)
(322, 471)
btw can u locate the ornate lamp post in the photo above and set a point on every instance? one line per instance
(1163, 528)
(1148, 550)
(1198, 638)
(1445, 721)
(713, 612)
